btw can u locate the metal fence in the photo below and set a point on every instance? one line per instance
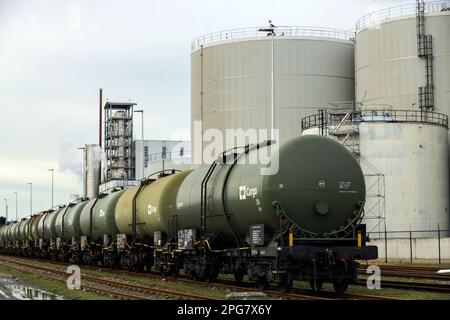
(379, 16)
(410, 240)
(289, 31)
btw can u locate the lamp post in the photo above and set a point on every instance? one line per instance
(52, 170)
(31, 197)
(6, 208)
(271, 31)
(17, 216)
(142, 136)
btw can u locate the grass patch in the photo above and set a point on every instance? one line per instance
(52, 286)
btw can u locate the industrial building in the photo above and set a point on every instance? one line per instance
(156, 155)
(148, 157)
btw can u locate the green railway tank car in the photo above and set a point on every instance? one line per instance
(310, 190)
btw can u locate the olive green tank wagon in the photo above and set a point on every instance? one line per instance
(155, 203)
(319, 184)
(67, 222)
(103, 220)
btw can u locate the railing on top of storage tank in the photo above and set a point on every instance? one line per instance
(377, 17)
(413, 116)
(288, 31)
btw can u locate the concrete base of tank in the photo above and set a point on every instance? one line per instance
(424, 250)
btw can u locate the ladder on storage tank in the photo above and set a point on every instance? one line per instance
(425, 52)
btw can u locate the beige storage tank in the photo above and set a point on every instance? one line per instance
(409, 149)
(231, 78)
(388, 68)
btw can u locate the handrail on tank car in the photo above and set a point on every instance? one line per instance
(378, 16)
(280, 31)
(172, 171)
(412, 116)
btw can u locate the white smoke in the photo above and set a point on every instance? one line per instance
(70, 159)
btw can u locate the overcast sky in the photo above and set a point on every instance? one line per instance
(54, 55)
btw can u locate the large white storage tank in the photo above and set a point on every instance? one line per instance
(231, 85)
(410, 150)
(412, 153)
(388, 68)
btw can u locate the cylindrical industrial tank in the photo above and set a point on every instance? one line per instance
(3, 234)
(71, 226)
(92, 166)
(35, 226)
(40, 227)
(12, 228)
(231, 77)
(6, 236)
(59, 220)
(103, 221)
(15, 232)
(154, 205)
(49, 224)
(404, 157)
(388, 68)
(31, 225)
(413, 158)
(22, 232)
(316, 181)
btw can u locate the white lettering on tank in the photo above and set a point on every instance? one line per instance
(247, 192)
(152, 209)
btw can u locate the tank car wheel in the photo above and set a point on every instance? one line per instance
(318, 286)
(163, 272)
(194, 276)
(285, 284)
(212, 276)
(262, 283)
(340, 285)
(238, 276)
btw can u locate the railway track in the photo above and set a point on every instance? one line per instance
(115, 288)
(418, 286)
(409, 272)
(221, 284)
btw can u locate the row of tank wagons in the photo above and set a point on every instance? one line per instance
(227, 217)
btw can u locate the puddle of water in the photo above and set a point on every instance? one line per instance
(23, 292)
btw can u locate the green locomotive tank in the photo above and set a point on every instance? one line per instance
(15, 232)
(67, 223)
(3, 234)
(319, 185)
(49, 224)
(155, 203)
(103, 222)
(9, 233)
(35, 225)
(22, 232)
